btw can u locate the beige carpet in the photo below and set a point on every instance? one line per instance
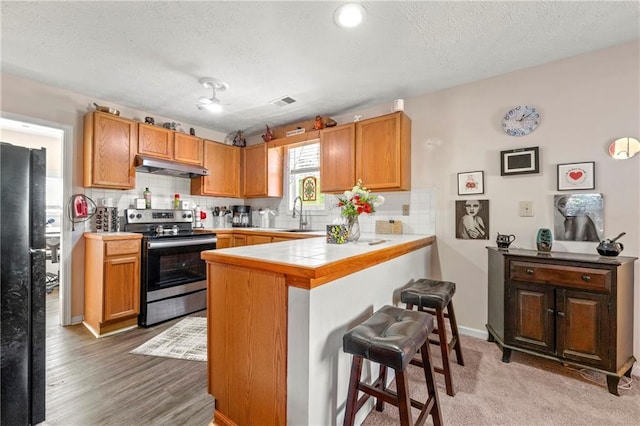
(527, 391)
(186, 339)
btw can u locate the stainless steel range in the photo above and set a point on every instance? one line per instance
(173, 278)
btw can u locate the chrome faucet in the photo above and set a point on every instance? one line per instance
(302, 222)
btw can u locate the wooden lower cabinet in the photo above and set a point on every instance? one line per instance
(112, 282)
(258, 239)
(570, 307)
(238, 240)
(224, 241)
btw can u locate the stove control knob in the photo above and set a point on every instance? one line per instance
(139, 216)
(131, 216)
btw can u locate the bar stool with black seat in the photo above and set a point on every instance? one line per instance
(391, 337)
(434, 297)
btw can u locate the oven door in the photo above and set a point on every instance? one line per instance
(173, 262)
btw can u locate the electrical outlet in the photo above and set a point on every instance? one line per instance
(405, 210)
(526, 209)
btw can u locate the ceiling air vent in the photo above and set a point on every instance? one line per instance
(283, 101)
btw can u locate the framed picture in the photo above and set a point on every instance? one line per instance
(519, 161)
(576, 176)
(578, 217)
(471, 183)
(472, 219)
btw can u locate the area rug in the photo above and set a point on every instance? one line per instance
(184, 340)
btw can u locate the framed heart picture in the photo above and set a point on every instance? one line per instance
(572, 176)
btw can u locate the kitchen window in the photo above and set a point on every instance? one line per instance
(304, 176)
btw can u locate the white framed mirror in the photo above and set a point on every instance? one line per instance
(624, 148)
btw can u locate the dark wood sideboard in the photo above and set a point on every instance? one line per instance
(570, 307)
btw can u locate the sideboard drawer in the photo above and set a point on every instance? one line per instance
(560, 275)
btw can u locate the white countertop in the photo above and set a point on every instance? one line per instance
(315, 252)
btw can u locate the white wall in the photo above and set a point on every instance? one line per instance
(585, 103)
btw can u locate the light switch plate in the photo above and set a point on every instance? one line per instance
(405, 210)
(526, 209)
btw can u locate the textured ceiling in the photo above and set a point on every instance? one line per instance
(150, 55)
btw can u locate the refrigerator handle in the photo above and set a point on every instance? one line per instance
(32, 250)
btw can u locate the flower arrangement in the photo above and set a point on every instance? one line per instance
(357, 201)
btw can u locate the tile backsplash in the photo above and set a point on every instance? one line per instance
(421, 218)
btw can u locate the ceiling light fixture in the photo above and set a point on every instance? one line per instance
(349, 15)
(211, 104)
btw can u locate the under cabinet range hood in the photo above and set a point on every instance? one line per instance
(168, 168)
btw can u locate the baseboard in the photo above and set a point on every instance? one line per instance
(77, 320)
(473, 332)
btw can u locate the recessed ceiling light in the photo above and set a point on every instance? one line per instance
(349, 15)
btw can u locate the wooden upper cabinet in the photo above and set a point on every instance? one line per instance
(337, 158)
(155, 141)
(262, 171)
(109, 149)
(223, 162)
(383, 152)
(188, 149)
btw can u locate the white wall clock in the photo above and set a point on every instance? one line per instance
(520, 121)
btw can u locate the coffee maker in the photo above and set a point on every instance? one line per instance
(241, 216)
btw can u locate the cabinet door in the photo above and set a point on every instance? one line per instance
(258, 239)
(223, 162)
(529, 316)
(278, 239)
(338, 158)
(383, 152)
(583, 327)
(121, 287)
(254, 171)
(239, 240)
(188, 149)
(155, 141)
(109, 150)
(224, 241)
(262, 171)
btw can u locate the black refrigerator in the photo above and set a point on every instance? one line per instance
(22, 284)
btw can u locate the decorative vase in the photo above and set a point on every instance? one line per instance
(354, 228)
(544, 240)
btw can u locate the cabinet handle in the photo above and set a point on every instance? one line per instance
(529, 271)
(586, 278)
(560, 314)
(550, 311)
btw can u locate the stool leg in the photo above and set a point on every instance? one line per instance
(383, 377)
(444, 350)
(352, 395)
(432, 391)
(454, 331)
(404, 404)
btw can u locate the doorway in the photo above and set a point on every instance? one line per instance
(34, 133)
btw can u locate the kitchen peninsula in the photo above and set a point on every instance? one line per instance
(277, 313)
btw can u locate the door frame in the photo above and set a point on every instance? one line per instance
(65, 233)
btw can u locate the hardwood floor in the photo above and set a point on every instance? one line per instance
(98, 382)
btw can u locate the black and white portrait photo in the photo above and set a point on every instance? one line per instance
(472, 219)
(578, 217)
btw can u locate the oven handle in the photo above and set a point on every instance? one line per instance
(180, 243)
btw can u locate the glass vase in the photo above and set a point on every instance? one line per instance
(354, 228)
